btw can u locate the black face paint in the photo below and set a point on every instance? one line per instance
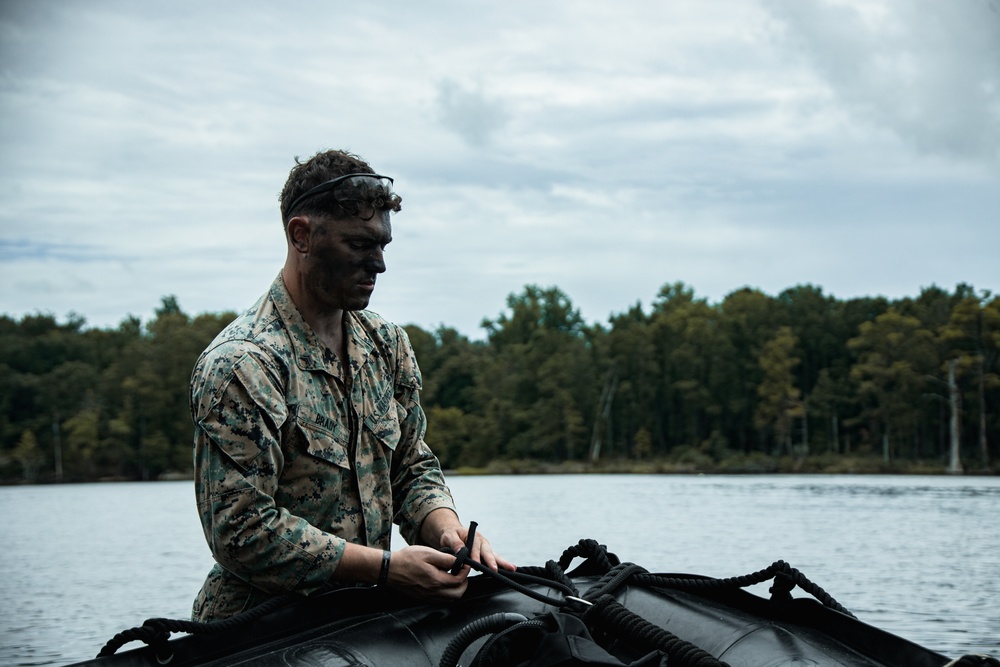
(345, 259)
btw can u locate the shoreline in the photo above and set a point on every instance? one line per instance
(817, 465)
(777, 466)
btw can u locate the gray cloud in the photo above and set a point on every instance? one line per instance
(927, 72)
(469, 112)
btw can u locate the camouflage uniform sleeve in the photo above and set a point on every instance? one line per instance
(239, 407)
(418, 485)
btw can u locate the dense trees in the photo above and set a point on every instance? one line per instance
(799, 377)
(79, 403)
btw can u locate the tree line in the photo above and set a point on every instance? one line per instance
(755, 382)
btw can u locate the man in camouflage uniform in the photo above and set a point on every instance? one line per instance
(308, 427)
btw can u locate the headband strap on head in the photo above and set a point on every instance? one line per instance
(358, 195)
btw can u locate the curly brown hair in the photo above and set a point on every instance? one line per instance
(322, 167)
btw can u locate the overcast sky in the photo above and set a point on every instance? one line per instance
(606, 148)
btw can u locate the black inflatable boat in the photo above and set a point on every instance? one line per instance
(603, 612)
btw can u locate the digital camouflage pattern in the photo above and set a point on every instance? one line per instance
(295, 454)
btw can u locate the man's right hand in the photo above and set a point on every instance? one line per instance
(423, 573)
(418, 571)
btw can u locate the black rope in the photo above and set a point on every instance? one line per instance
(613, 580)
(155, 632)
(518, 580)
(560, 579)
(595, 553)
(611, 617)
(548, 575)
(783, 574)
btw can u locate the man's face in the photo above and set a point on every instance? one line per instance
(344, 259)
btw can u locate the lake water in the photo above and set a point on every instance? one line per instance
(917, 556)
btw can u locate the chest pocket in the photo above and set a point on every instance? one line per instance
(383, 421)
(326, 438)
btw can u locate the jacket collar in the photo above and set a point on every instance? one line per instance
(310, 353)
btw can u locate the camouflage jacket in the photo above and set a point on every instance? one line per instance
(296, 455)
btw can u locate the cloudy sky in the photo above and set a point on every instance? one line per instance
(606, 148)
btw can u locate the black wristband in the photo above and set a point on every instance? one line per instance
(383, 575)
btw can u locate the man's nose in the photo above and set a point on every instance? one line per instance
(376, 262)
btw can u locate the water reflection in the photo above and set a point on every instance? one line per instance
(916, 556)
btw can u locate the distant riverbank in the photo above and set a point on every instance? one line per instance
(693, 463)
(688, 463)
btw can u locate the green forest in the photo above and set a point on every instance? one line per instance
(798, 382)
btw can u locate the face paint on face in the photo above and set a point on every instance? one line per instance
(345, 259)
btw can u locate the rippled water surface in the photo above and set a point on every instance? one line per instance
(917, 556)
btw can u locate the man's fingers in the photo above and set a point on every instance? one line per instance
(440, 559)
(505, 564)
(486, 555)
(483, 553)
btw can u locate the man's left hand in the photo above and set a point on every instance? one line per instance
(443, 528)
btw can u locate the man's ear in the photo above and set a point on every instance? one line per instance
(299, 233)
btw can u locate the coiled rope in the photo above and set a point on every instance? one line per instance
(611, 617)
(155, 632)
(785, 578)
